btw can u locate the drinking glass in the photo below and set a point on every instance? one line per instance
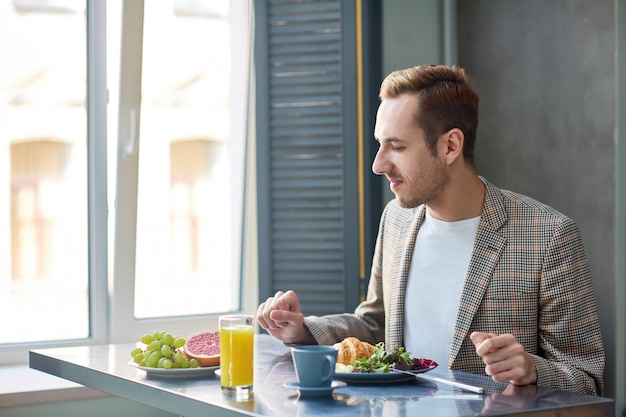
(237, 355)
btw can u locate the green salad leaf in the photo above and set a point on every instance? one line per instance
(382, 361)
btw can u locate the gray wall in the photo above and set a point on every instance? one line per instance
(545, 71)
(546, 74)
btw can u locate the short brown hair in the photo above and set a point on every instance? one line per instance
(446, 101)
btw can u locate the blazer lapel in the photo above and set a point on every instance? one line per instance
(488, 248)
(402, 263)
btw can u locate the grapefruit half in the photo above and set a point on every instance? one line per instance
(204, 347)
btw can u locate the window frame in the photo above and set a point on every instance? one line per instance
(97, 197)
(124, 326)
(110, 291)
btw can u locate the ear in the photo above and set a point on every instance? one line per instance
(452, 145)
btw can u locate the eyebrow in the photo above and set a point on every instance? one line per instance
(392, 139)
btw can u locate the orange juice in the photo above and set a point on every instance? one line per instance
(236, 355)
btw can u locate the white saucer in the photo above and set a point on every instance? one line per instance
(311, 392)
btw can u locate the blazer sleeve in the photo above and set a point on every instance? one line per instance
(570, 342)
(367, 323)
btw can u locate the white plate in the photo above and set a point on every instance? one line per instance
(371, 377)
(176, 372)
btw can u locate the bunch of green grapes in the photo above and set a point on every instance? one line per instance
(162, 350)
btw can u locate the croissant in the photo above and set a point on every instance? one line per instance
(350, 349)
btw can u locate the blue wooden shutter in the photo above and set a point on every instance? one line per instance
(307, 152)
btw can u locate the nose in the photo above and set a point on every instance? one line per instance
(380, 165)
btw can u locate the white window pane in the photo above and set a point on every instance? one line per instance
(43, 190)
(184, 249)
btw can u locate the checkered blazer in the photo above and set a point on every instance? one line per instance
(528, 276)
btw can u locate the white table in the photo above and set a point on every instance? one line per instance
(106, 368)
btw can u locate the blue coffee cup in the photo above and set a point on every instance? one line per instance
(314, 364)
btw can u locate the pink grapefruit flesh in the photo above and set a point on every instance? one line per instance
(204, 347)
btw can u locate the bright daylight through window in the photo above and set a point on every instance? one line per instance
(176, 165)
(184, 216)
(43, 183)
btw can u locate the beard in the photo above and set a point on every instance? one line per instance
(426, 189)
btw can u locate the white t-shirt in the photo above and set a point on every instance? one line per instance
(436, 277)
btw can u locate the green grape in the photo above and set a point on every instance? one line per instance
(152, 360)
(155, 345)
(166, 350)
(184, 363)
(160, 362)
(162, 350)
(178, 342)
(167, 339)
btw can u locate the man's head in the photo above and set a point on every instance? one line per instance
(426, 128)
(446, 100)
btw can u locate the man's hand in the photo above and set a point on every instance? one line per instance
(505, 358)
(280, 315)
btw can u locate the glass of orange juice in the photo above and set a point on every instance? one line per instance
(237, 355)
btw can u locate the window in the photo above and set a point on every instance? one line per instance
(43, 192)
(120, 238)
(184, 202)
(182, 117)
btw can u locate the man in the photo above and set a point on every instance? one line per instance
(488, 280)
